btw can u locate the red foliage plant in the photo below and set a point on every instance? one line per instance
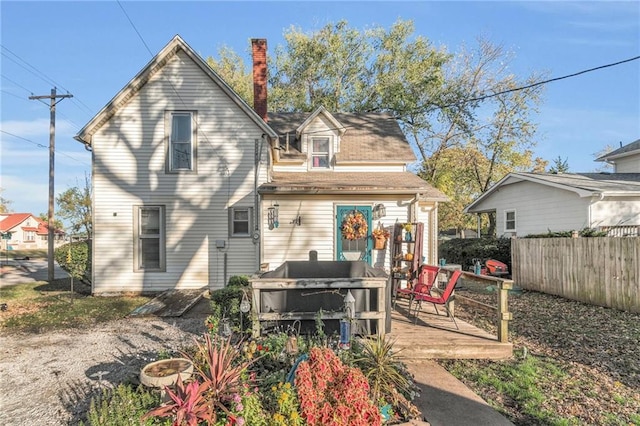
(333, 394)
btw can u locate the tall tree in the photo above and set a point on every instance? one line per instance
(559, 166)
(468, 101)
(231, 68)
(57, 224)
(74, 205)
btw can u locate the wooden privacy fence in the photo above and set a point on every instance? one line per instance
(601, 271)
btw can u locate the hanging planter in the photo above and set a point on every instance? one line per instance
(380, 237)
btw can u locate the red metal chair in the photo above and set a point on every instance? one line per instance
(443, 299)
(426, 279)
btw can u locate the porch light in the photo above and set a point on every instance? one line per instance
(379, 211)
(272, 216)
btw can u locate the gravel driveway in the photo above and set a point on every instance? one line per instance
(48, 379)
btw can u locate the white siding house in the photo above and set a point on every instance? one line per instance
(187, 179)
(625, 159)
(537, 203)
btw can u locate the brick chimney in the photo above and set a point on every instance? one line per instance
(259, 50)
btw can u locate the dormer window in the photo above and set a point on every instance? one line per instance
(320, 153)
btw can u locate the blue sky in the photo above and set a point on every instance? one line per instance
(90, 49)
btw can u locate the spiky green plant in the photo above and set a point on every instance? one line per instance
(388, 379)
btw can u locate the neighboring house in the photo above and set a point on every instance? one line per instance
(27, 232)
(537, 203)
(192, 186)
(625, 159)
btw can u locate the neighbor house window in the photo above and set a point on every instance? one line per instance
(149, 238)
(510, 221)
(29, 236)
(241, 221)
(180, 128)
(320, 153)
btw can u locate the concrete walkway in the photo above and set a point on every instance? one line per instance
(20, 271)
(446, 401)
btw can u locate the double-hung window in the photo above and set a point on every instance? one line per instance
(149, 244)
(241, 221)
(510, 221)
(181, 133)
(320, 153)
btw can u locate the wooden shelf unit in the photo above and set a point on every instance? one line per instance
(404, 272)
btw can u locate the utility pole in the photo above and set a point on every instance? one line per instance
(52, 150)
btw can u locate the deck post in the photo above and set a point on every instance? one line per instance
(504, 316)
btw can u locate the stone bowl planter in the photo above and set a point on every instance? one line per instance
(165, 372)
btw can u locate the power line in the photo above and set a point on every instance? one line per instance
(41, 75)
(17, 84)
(39, 145)
(529, 86)
(134, 27)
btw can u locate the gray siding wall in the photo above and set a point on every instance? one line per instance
(129, 170)
(539, 209)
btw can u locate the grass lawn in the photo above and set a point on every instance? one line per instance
(42, 306)
(573, 364)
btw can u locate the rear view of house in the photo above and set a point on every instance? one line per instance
(191, 185)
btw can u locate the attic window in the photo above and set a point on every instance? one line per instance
(180, 131)
(320, 153)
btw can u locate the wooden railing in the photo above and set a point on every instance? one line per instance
(503, 316)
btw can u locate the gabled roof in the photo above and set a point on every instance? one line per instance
(629, 149)
(368, 137)
(583, 184)
(352, 182)
(156, 64)
(13, 220)
(321, 110)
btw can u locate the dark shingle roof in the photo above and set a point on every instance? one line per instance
(352, 182)
(368, 136)
(633, 146)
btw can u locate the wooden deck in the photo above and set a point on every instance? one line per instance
(436, 336)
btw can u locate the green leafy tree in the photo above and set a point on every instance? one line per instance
(74, 205)
(57, 224)
(559, 166)
(231, 68)
(468, 101)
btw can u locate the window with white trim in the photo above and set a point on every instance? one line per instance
(181, 148)
(149, 241)
(29, 236)
(510, 221)
(320, 153)
(240, 221)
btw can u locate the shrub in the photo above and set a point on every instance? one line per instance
(75, 258)
(123, 405)
(239, 281)
(463, 250)
(585, 232)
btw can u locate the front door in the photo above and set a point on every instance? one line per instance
(353, 233)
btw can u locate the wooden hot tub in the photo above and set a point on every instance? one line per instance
(298, 290)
